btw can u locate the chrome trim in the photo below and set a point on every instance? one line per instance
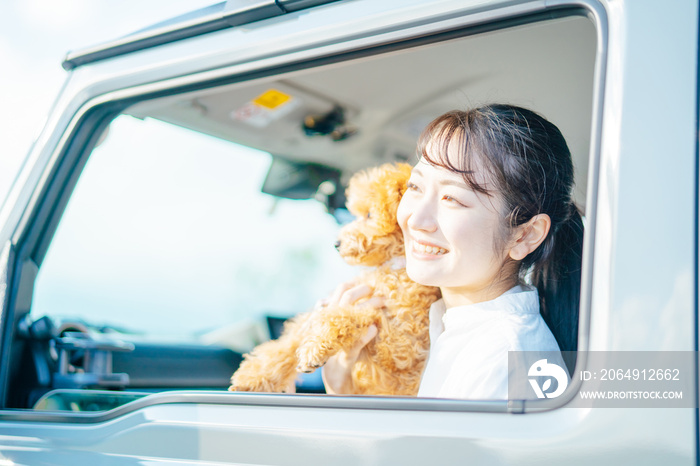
(262, 400)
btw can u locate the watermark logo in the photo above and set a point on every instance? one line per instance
(604, 379)
(542, 369)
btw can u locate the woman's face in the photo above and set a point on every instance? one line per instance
(451, 234)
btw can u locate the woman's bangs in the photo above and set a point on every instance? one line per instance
(450, 143)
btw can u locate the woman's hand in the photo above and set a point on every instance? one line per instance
(337, 371)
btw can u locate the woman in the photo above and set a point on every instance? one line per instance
(488, 210)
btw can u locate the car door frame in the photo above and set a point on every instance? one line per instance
(64, 151)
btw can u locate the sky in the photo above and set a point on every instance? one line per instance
(35, 36)
(137, 271)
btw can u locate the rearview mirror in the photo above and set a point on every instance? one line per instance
(294, 180)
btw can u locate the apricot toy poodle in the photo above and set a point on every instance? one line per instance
(391, 363)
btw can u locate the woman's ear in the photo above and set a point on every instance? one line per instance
(529, 236)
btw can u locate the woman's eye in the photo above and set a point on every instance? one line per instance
(451, 200)
(411, 187)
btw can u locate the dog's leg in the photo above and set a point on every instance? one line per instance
(333, 330)
(271, 366)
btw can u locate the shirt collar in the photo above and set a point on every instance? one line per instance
(521, 299)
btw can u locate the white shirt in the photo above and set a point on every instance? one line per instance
(469, 345)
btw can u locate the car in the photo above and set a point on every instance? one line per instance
(184, 197)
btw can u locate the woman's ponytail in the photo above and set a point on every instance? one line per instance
(558, 280)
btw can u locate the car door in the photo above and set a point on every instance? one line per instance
(129, 209)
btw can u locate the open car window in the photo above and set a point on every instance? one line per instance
(168, 236)
(203, 219)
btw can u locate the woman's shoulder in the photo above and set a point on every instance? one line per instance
(521, 323)
(513, 322)
(528, 334)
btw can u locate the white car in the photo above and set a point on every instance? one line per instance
(179, 204)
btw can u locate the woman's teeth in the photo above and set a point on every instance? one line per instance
(422, 248)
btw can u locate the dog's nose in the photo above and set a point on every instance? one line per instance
(337, 244)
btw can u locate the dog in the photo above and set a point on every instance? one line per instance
(393, 362)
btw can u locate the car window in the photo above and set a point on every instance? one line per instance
(207, 215)
(168, 235)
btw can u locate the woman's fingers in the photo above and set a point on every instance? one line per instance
(348, 294)
(376, 302)
(354, 294)
(369, 336)
(353, 353)
(337, 371)
(334, 299)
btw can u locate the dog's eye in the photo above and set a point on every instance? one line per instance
(369, 215)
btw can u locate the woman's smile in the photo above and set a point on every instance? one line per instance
(423, 250)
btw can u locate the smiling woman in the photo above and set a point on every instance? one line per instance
(510, 232)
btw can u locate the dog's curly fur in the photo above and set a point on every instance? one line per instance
(390, 364)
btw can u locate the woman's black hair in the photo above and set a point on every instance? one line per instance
(528, 166)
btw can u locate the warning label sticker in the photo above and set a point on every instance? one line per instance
(265, 108)
(272, 99)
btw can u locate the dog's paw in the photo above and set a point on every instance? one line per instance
(264, 386)
(310, 358)
(240, 383)
(237, 387)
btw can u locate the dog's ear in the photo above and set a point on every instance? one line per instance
(394, 180)
(358, 194)
(389, 186)
(404, 173)
(377, 191)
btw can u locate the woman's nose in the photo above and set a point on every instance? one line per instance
(422, 217)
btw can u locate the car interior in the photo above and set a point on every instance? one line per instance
(319, 125)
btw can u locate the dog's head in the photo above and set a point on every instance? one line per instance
(374, 237)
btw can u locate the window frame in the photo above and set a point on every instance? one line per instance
(40, 218)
